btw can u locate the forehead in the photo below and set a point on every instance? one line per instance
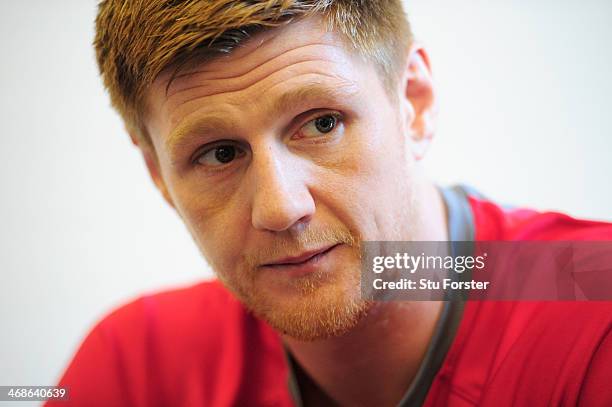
(307, 36)
(257, 75)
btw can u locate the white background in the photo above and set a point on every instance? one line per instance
(524, 89)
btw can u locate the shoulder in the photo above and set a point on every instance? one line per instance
(197, 309)
(191, 325)
(530, 353)
(177, 347)
(527, 352)
(494, 222)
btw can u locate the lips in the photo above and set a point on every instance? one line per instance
(302, 258)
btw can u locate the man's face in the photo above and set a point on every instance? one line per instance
(281, 158)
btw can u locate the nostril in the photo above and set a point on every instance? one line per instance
(301, 224)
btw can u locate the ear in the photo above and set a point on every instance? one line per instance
(150, 157)
(418, 96)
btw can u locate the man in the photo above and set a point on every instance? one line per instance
(285, 134)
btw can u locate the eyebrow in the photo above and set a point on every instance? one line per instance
(297, 96)
(210, 123)
(218, 123)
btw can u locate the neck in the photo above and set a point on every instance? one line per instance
(375, 362)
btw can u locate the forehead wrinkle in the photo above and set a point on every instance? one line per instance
(238, 86)
(233, 70)
(233, 89)
(236, 61)
(206, 82)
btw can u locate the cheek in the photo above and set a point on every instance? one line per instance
(360, 203)
(377, 157)
(370, 189)
(216, 224)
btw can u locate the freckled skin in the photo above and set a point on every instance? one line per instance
(285, 195)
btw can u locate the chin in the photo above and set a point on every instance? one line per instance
(314, 313)
(322, 304)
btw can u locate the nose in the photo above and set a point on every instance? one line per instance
(281, 198)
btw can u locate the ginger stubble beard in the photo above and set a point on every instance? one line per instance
(323, 304)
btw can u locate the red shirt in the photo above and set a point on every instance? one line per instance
(198, 346)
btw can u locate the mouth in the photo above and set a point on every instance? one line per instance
(303, 261)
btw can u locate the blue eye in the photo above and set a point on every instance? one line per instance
(219, 155)
(321, 125)
(325, 124)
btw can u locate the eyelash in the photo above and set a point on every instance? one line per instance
(339, 122)
(212, 147)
